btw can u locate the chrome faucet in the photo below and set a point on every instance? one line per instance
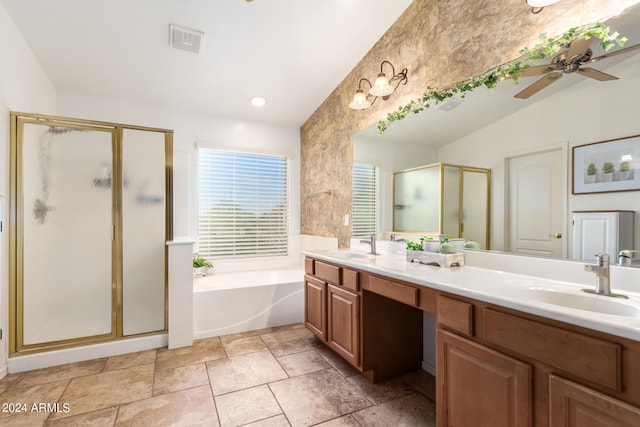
(392, 237)
(372, 243)
(601, 270)
(627, 257)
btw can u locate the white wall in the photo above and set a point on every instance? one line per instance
(23, 87)
(191, 130)
(587, 112)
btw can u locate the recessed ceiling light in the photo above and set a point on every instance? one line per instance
(258, 101)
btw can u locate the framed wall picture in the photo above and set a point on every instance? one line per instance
(606, 166)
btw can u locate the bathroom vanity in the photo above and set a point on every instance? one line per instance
(507, 354)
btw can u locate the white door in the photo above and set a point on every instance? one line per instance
(536, 204)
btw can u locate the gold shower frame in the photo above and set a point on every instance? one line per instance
(16, 237)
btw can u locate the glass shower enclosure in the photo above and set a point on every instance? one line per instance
(89, 218)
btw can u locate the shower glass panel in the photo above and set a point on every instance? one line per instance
(451, 187)
(67, 223)
(475, 214)
(143, 231)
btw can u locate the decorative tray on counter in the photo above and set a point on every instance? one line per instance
(433, 258)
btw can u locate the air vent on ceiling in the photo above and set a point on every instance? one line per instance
(185, 38)
(449, 104)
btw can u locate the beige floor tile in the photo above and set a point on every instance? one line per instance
(303, 363)
(244, 371)
(201, 351)
(296, 346)
(193, 407)
(246, 406)
(29, 419)
(101, 418)
(24, 399)
(130, 359)
(413, 410)
(422, 382)
(244, 346)
(247, 334)
(346, 421)
(338, 363)
(285, 335)
(317, 397)
(93, 392)
(382, 391)
(277, 421)
(60, 373)
(181, 378)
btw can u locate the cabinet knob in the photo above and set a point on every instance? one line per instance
(557, 235)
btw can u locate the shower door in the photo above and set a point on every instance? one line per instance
(65, 201)
(91, 212)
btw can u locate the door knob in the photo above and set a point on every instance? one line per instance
(557, 235)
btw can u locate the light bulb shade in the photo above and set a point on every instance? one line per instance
(381, 86)
(541, 3)
(360, 101)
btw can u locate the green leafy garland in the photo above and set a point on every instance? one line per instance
(546, 48)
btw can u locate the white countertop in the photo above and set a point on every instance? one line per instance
(499, 288)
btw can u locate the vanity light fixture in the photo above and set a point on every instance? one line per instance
(538, 5)
(360, 99)
(382, 87)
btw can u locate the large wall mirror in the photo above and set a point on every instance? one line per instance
(526, 143)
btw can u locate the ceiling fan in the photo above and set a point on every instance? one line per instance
(568, 61)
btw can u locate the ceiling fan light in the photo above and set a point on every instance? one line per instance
(381, 86)
(360, 101)
(541, 3)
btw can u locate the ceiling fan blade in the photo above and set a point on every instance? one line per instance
(539, 85)
(617, 52)
(595, 74)
(578, 48)
(537, 70)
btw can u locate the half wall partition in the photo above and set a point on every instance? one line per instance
(90, 214)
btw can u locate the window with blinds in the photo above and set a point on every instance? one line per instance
(243, 204)
(365, 200)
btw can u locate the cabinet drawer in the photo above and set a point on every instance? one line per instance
(328, 272)
(308, 266)
(394, 290)
(455, 315)
(590, 358)
(350, 279)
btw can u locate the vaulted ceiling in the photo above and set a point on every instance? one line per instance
(292, 52)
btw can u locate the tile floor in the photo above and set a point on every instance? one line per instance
(273, 377)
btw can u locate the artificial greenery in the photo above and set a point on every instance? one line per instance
(413, 246)
(592, 169)
(625, 166)
(444, 238)
(608, 167)
(199, 261)
(547, 47)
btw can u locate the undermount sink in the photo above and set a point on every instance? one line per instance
(355, 256)
(586, 302)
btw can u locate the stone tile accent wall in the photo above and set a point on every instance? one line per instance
(441, 42)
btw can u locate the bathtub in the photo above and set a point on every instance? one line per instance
(228, 303)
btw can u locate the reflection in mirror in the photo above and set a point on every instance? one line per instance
(443, 199)
(491, 129)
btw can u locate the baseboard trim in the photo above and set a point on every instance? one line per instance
(78, 354)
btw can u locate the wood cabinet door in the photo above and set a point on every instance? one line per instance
(574, 405)
(343, 318)
(315, 309)
(480, 387)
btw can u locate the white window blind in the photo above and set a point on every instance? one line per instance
(365, 200)
(243, 205)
